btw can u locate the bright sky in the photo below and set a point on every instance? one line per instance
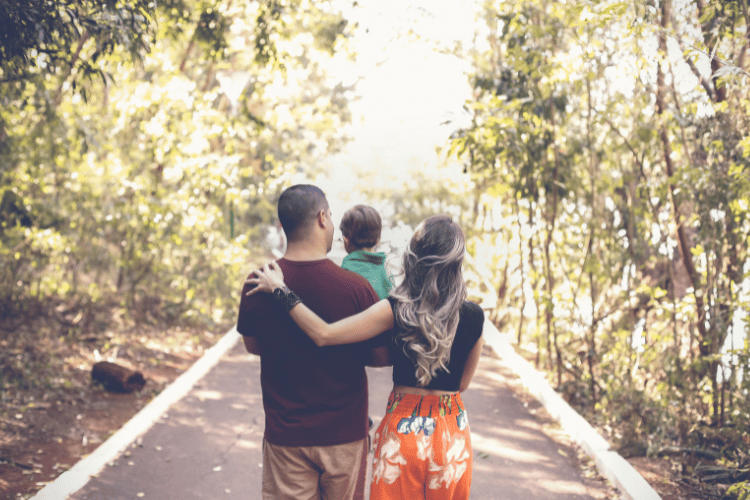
(407, 88)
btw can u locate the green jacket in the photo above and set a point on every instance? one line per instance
(372, 266)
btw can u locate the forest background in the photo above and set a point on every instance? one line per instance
(601, 175)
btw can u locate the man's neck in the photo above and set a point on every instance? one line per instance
(304, 251)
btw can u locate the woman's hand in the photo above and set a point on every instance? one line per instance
(268, 278)
(365, 325)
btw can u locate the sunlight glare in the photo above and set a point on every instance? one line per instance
(411, 96)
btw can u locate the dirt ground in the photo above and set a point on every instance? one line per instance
(48, 425)
(52, 414)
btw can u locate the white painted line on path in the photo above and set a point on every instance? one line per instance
(77, 476)
(610, 464)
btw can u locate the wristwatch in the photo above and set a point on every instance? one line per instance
(287, 298)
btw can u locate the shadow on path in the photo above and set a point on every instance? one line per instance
(208, 445)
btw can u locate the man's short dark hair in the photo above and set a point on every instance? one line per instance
(299, 205)
(362, 226)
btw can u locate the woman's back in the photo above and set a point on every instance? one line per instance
(471, 321)
(422, 447)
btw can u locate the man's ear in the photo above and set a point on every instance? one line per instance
(322, 219)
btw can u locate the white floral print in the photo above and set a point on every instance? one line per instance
(424, 447)
(387, 465)
(456, 462)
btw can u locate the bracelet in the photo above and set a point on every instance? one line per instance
(287, 298)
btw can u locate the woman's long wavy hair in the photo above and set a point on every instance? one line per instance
(429, 298)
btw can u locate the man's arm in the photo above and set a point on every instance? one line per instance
(252, 345)
(379, 357)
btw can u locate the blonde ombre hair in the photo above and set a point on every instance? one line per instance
(429, 298)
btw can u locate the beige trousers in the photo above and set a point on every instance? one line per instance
(314, 472)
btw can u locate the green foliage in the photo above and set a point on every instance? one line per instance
(41, 38)
(574, 109)
(154, 184)
(738, 491)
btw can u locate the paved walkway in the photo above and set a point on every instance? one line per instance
(208, 444)
(201, 437)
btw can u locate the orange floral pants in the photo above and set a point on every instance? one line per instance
(422, 449)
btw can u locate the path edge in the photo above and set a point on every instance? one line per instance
(77, 476)
(609, 463)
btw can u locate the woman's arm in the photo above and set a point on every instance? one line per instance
(471, 365)
(362, 326)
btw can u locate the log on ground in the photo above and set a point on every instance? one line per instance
(116, 378)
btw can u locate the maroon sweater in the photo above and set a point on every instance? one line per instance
(312, 396)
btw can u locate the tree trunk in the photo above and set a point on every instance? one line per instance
(551, 221)
(685, 248)
(69, 70)
(591, 337)
(523, 272)
(535, 286)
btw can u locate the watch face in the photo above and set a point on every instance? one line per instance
(278, 293)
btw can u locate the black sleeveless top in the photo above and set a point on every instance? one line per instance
(470, 323)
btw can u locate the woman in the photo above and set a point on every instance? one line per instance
(422, 446)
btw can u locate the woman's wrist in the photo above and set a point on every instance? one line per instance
(287, 298)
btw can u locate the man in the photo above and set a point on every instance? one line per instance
(315, 398)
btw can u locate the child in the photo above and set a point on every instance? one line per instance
(361, 228)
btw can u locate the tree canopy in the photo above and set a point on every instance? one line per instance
(142, 144)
